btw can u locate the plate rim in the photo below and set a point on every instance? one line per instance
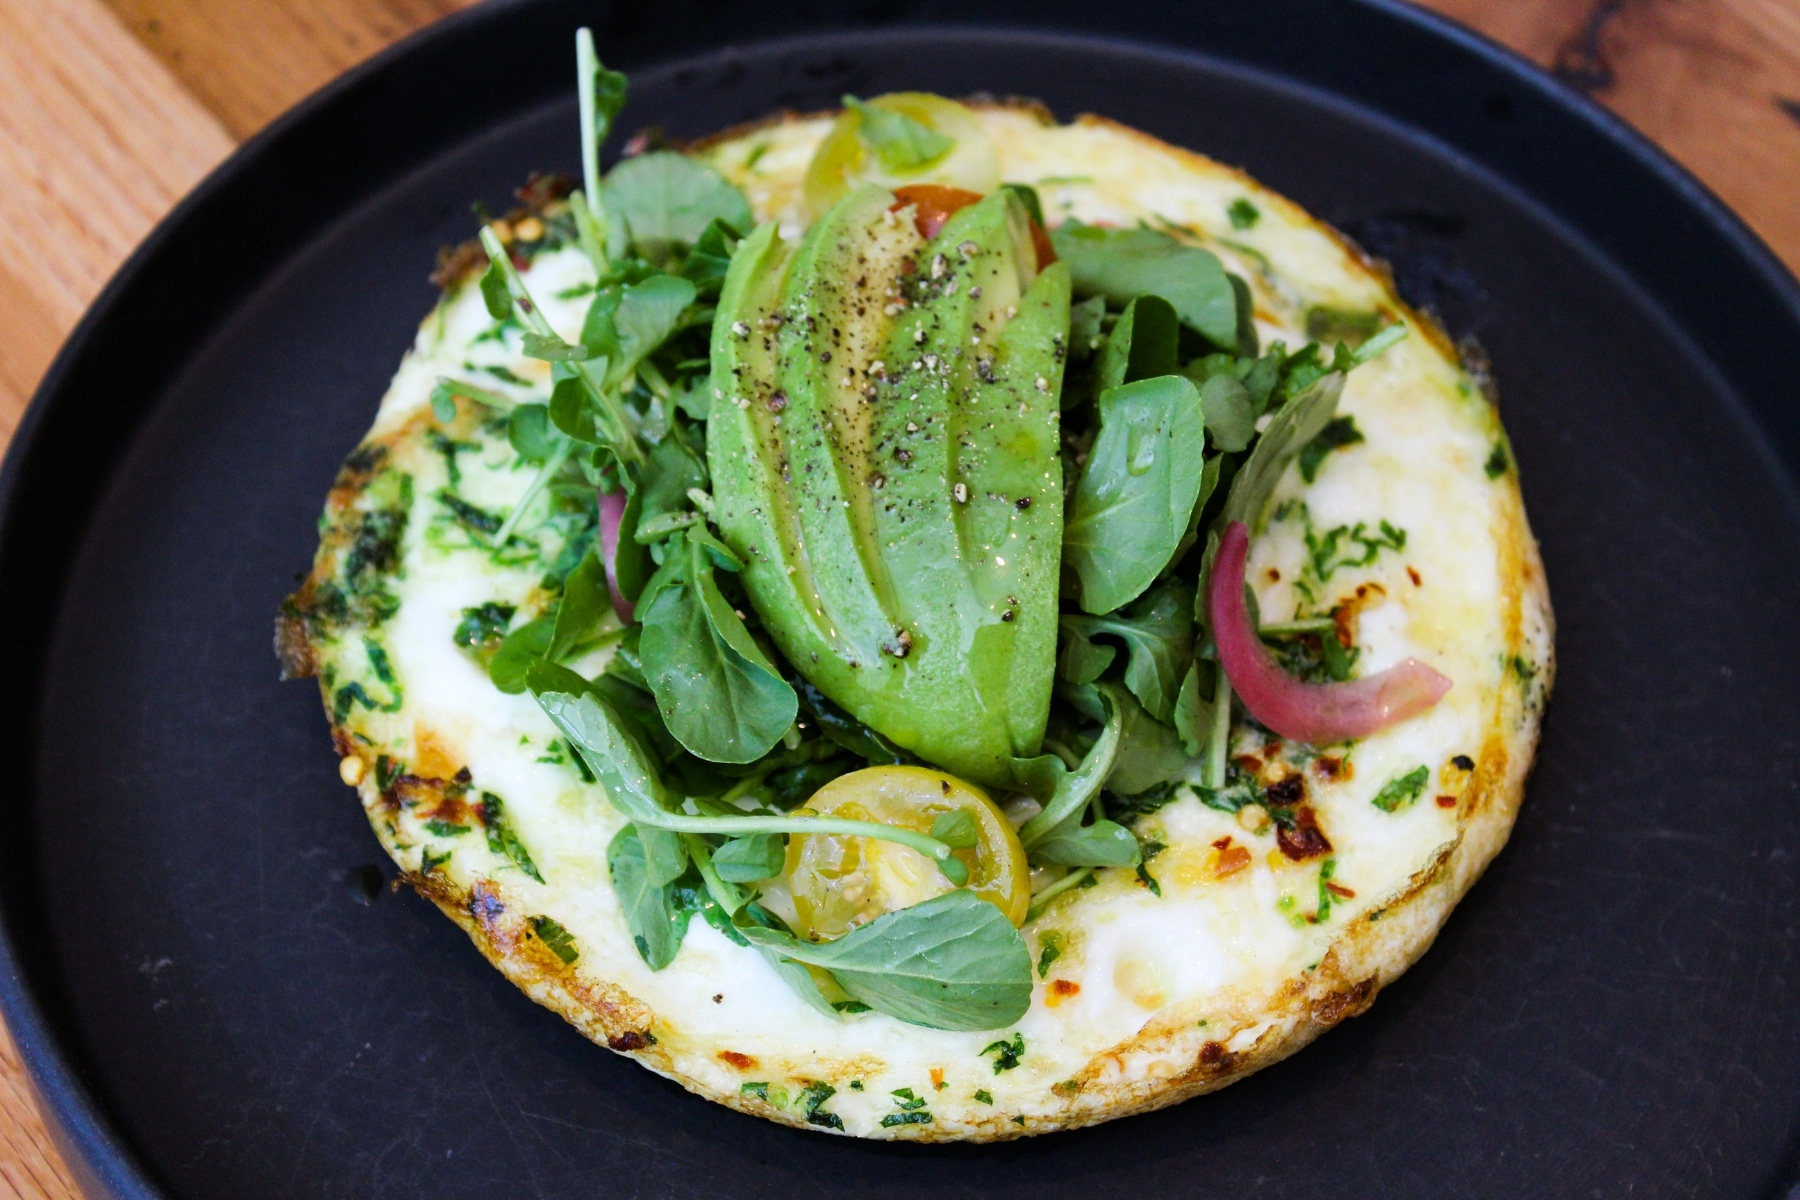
(97, 1153)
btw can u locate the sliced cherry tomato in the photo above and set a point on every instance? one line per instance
(840, 882)
(934, 204)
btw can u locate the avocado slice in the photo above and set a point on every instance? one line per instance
(883, 445)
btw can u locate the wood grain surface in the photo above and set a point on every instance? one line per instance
(110, 110)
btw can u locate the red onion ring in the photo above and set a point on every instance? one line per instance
(1315, 713)
(612, 514)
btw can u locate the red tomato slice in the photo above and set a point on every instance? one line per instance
(934, 204)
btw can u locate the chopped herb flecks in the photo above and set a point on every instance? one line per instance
(1401, 791)
(559, 940)
(1006, 1054)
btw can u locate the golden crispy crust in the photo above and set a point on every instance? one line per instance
(1371, 953)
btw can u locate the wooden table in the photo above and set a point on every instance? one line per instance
(110, 110)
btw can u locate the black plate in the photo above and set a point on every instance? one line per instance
(217, 998)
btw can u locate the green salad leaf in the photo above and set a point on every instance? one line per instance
(1123, 264)
(719, 694)
(901, 143)
(952, 962)
(1135, 500)
(1158, 632)
(666, 198)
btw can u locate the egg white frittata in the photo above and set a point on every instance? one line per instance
(1223, 953)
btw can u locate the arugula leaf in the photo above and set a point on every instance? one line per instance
(530, 434)
(666, 198)
(585, 604)
(1193, 712)
(1230, 413)
(661, 487)
(1143, 345)
(707, 262)
(1072, 790)
(1134, 502)
(527, 644)
(443, 395)
(1402, 790)
(954, 962)
(718, 693)
(1338, 433)
(616, 759)
(1158, 632)
(798, 976)
(657, 924)
(1150, 753)
(548, 347)
(1122, 264)
(1300, 420)
(748, 859)
(494, 292)
(1102, 844)
(956, 830)
(624, 324)
(1081, 660)
(902, 144)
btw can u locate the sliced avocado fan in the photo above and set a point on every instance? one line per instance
(883, 445)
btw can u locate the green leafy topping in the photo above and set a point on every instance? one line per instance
(559, 940)
(1158, 632)
(1243, 214)
(748, 859)
(952, 962)
(901, 143)
(1401, 791)
(1051, 948)
(1355, 326)
(1122, 264)
(956, 829)
(982, 1095)
(668, 199)
(443, 828)
(1135, 500)
(1006, 1053)
(429, 862)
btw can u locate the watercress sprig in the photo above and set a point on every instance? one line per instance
(621, 436)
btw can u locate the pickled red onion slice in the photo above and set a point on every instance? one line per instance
(612, 514)
(1315, 713)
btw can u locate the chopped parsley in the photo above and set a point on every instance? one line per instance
(816, 1094)
(559, 940)
(1006, 1054)
(1402, 790)
(501, 838)
(1498, 461)
(1052, 943)
(443, 828)
(1243, 214)
(984, 1096)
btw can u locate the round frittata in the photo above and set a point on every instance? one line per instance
(1247, 929)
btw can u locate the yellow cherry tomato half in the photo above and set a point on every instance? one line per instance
(844, 159)
(840, 882)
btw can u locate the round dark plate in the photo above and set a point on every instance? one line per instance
(218, 996)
